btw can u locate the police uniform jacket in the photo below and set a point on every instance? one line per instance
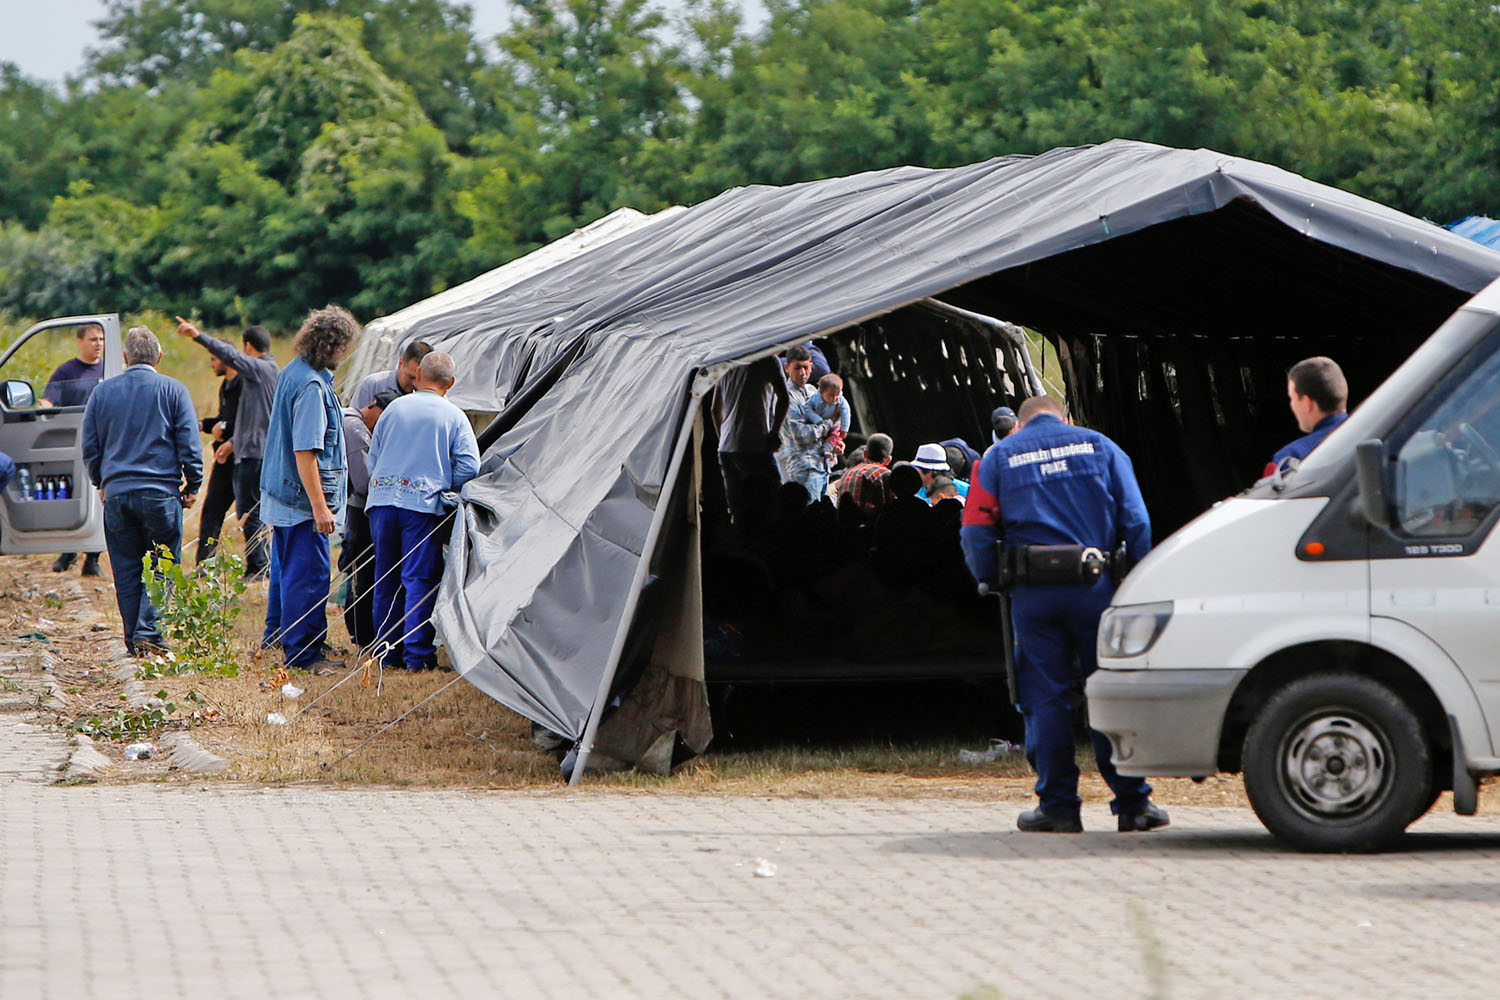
(1052, 483)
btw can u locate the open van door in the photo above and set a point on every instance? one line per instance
(41, 425)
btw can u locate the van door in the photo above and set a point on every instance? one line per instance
(1438, 566)
(46, 377)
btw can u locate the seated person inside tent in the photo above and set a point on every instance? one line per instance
(892, 577)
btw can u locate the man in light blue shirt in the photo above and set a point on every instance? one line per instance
(303, 481)
(423, 450)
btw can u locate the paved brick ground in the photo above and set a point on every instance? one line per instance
(143, 892)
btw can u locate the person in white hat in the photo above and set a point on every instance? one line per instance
(932, 460)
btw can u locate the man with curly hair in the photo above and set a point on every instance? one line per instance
(303, 486)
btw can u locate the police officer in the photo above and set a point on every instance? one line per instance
(1053, 484)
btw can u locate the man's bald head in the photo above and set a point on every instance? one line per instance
(1038, 404)
(437, 372)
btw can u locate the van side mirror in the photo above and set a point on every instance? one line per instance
(17, 395)
(1369, 470)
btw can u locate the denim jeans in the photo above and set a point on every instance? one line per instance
(247, 502)
(135, 523)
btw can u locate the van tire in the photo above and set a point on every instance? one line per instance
(1337, 762)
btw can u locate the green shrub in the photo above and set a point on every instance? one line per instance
(197, 611)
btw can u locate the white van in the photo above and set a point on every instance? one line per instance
(1333, 632)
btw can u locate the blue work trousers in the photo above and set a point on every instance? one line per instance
(1053, 625)
(297, 603)
(135, 523)
(408, 566)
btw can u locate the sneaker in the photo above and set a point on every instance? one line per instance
(145, 649)
(1036, 821)
(91, 564)
(64, 562)
(1149, 817)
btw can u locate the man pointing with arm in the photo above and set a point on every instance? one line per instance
(257, 373)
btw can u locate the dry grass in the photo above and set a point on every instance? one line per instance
(460, 738)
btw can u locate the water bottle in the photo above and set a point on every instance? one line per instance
(38, 491)
(23, 482)
(51, 492)
(64, 487)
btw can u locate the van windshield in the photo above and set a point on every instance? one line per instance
(1447, 468)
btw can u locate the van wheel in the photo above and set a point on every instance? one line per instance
(1337, 762)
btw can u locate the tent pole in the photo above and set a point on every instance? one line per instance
(706, 379)
(1016, 334)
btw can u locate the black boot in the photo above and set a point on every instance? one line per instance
(1036, 821)
(91, 564)
(64, 562)
(1149, 817)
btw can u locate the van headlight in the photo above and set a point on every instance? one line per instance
(1131, 629)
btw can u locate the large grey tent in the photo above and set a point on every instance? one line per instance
(1176, 285)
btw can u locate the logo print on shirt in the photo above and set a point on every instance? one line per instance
(1054, 459)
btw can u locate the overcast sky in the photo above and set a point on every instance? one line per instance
(47, 38)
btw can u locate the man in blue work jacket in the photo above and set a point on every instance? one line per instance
(303, 483)
(1053, 484)
(1318, 395)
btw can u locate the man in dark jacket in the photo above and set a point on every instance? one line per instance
(258, 371)
(140, 445)
(70, 385)
(219, 496)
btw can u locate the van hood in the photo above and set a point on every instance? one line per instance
(1239, 546)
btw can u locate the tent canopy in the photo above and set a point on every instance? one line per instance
(377, 348)
(1176, 285)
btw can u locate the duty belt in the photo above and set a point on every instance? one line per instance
(1059, 565)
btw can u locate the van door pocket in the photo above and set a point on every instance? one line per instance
(57, 437)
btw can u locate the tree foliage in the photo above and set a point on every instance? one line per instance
(247, 159)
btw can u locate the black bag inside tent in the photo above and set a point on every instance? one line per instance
(1177, 286)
